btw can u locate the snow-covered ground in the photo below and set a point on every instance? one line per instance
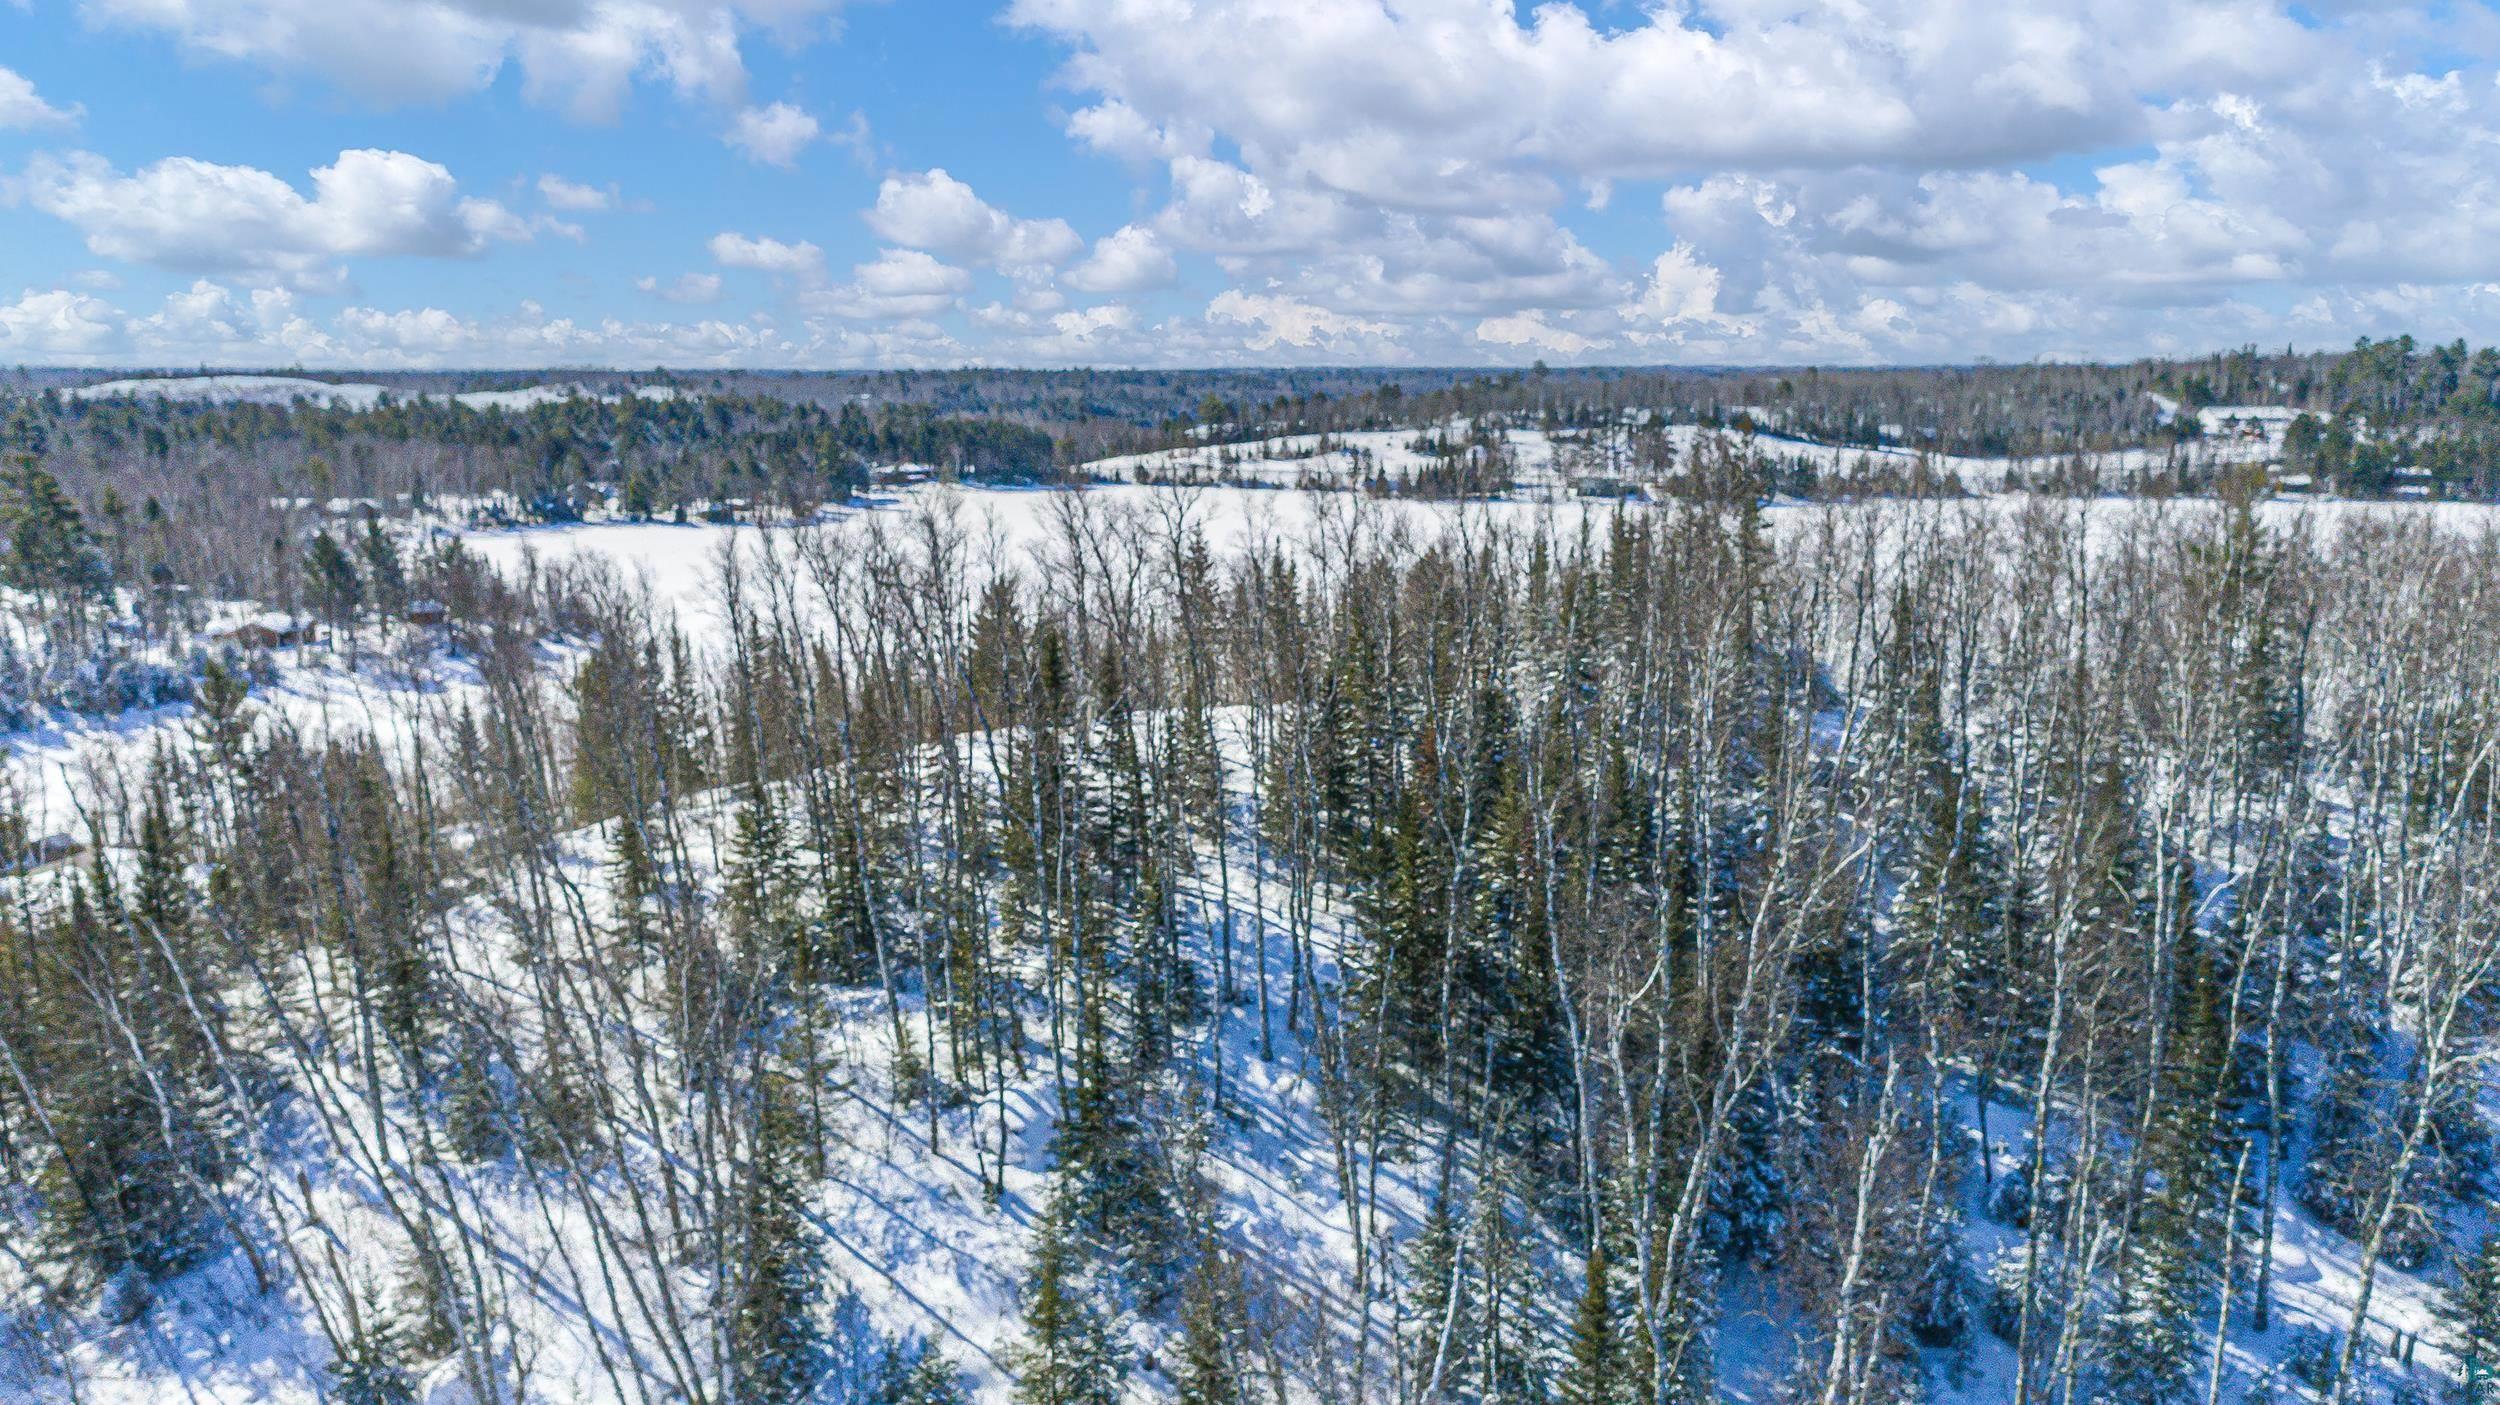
(235, 390)
(904, 1210)
(55, 765)
(352, 395)
(56, 774)
(1322, 461)
(1550, 465)
(909, 1227)
(1020, 528)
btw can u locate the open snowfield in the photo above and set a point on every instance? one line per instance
(1024, 528)
(350, 395)
(1021, 528)
(1545, 465)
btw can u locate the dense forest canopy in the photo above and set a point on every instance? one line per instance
(735, 434)
(2033, 409)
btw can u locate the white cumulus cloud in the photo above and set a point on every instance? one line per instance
(800, 260)
(1529, 330)
(691, 289)
(21, 107)
(1130, 260)
(897, 283)
(573, 197)
(775, 135)
(56, 322)
(932, 210)
(198, 215)
(1280, 320)
(582, 56)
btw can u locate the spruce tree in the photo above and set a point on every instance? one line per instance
(336, 583)
(2474, 1310)
(632, 880)
(913, 1373)
(1439, 1308)
(2348, 1125)
(384, 569)
(776, 1345)
(765, 924)
(1113, 1187)
(1511, 1348)
(373, 1363)
(1068, 1356)
(1595, 1373)
(2165, 1288)
(140, 1115)
(48, 549)
(1210, 1371)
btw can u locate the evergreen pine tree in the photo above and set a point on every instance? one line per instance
(1068, 1356)
(631, 882)
(1511, 1348)
(2348, 1125)
(2165, 1288)
(1210, 1372)
(765, 923)
(373, 1364)
(776, 1346)
(336, 584)
(48, 550)
(1595, 1373)
(913, 1373)
(1943, 1288)
(1440, 1310)
(2474, 1308)
(383, 567)
(1112, 1182)
(130, 1190)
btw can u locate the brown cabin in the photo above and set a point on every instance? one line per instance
(274, 630)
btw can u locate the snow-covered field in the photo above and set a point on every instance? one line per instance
(1021, 528)
(1549, 465)
(351, 395)
(1329, 460)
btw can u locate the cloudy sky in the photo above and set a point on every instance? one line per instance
(385, 183)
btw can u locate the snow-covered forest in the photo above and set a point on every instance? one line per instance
(1515, 893)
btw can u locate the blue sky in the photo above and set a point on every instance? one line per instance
(384, 183)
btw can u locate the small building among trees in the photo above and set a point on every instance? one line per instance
(272, 629)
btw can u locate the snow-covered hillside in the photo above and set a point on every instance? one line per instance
(232, 390)
(283, 391)
(928, 1208)
(1534, 463)
(51, 767)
